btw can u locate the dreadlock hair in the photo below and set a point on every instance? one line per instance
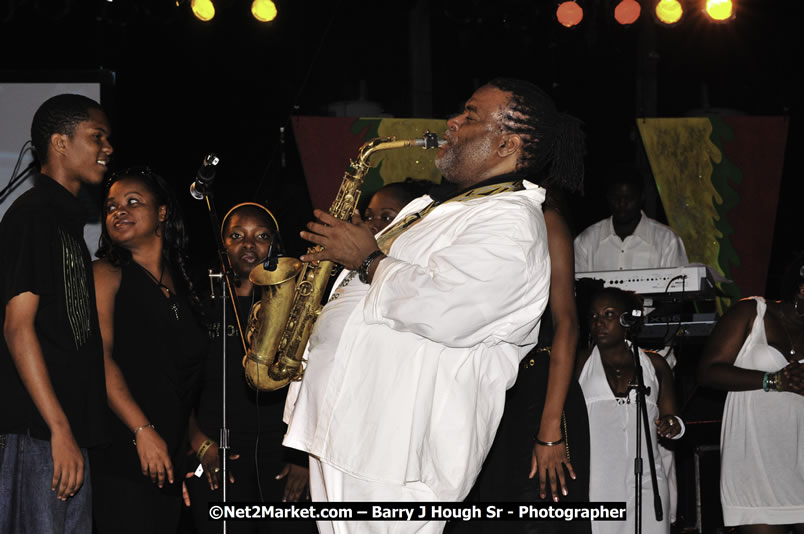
(552, 142)
(174, 236)
(58, 115)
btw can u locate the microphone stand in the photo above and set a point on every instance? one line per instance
(631, 332)
(228, 280)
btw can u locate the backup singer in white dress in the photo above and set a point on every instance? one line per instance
(605, 375)
(775, 469)
(612, 444)
(762, 436)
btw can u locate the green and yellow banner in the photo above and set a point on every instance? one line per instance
(327, 144)
(718, 178)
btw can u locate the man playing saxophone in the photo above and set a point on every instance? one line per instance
(409, 361)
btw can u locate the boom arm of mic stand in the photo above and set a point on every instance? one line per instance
(226, 264)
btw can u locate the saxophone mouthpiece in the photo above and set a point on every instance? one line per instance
(430, 140)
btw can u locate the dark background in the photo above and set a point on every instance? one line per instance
(183, 88)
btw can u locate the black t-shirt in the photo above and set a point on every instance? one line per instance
(43, 252)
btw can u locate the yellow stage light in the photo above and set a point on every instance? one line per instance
(263, 10)
(569, 14)
(669, 11)
(627, 12)
(203, 9)
(719, 10)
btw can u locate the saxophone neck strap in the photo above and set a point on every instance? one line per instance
(389, 236)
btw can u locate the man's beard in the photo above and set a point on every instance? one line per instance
(446, 162)
(464, 158)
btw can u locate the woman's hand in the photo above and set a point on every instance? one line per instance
(154, 458)
(668, 426)
(212, 466)
(792, 378)
(297, 478)
(549, 463)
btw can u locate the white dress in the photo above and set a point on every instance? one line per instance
(762, 443)
(612, 444)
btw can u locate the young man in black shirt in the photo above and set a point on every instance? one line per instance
(52, 386)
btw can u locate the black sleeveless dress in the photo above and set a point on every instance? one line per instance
(160, 348)
(504, 477)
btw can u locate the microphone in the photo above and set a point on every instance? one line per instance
(274, 252)
(631, 318)
(204, 177)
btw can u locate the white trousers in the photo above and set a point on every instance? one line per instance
(328, 483)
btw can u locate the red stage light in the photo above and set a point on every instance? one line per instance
(569, 14)
(627, 12)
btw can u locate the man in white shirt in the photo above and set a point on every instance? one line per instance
(628, 239)
(408, 366)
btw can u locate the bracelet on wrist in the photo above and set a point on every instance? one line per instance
(772, 381)
(682, 427)
(202, 450)
(550, 443)
(134, 439)
(363, 271)
(778, 380)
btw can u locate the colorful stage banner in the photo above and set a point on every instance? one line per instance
(718, 178)
(327, 144)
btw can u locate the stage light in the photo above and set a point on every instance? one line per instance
(203, 9)
(627, 12)
(719, 10)
(263, 10)
(669, 12)
(569, 14)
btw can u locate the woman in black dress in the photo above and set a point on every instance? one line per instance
(153, 352)
(261, 470)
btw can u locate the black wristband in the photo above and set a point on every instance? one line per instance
(362, 272)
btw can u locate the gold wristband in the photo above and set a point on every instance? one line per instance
(202, 450)
(778, 380)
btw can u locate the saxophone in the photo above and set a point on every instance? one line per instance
(281, 322)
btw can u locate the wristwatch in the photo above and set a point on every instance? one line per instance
(363, 271)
